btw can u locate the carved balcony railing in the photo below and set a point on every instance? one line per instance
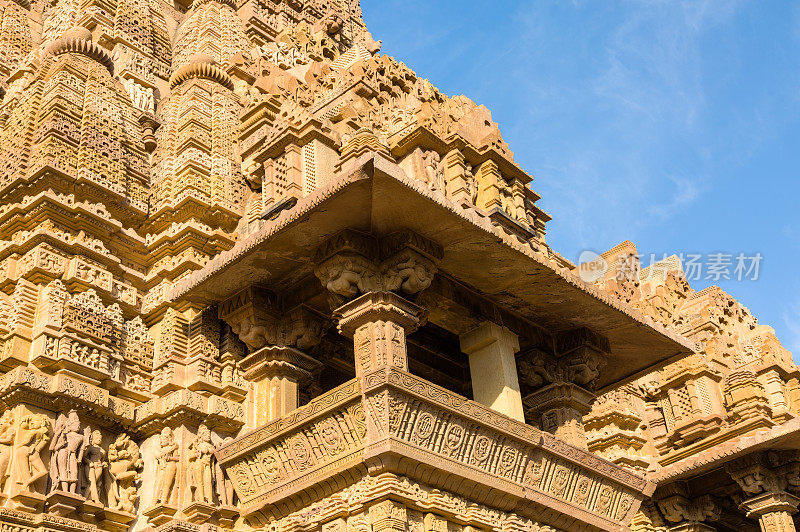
(312, 444)
(395, 422)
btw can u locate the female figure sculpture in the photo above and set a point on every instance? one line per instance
(67, 449)
(94, 457)
(166, 467)
(200, 468)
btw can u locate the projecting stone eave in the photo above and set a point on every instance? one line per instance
(784, 437)
(373, 194)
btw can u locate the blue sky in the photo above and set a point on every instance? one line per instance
(675, 124)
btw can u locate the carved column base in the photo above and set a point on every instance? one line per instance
(227, 516)
(159, 514)
(198, 512)
(64, 503)
(773, 510)
(27, 501)
(117, 521)
(560, 408)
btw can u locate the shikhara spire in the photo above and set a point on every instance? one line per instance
(255, 274)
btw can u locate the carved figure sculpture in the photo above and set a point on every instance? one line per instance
(34, 435)
(434, 173)
(166, 467)
(7, 433)
(124, 464)
(224, 483)
(67, 450)
(94, 458)
(201, 451)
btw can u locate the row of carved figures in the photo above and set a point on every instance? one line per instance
(204, 474)
(81, 466)
(78, 463)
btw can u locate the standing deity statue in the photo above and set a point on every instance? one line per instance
(166, 467)
(7, 434)
(124, 464)
(67, 449)
(224, 483)
(33, 436)
(200, 470)
(94, 459)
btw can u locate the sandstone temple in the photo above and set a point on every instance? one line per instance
(257, 276)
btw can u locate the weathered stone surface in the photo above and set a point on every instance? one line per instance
(256, 275)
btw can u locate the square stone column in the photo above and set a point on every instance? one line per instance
(277, 373)
(379, 322)
(492, 364)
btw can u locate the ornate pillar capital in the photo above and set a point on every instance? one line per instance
(560, 408)
(688, 514)
(770, 502)
(378, 306)
(764, 479)
(562, 383)
(256, 317)
(353, 263)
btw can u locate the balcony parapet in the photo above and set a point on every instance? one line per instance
(312, 444)
(395, 422)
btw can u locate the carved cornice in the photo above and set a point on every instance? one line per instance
(28, 385)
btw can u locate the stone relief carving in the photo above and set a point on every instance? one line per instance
(67, 447)
(124, 466)
(96, 466)
(167, 460)
(32, 438)
(7, 434)
(201, 471)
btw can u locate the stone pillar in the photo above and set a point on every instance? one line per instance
(492, 364)
(563, 383)
(455, 175)
(379, 322)
(773, 387)
(488, 179)
(276, 373)
(560, 408)
(294, 172)
(773, 509)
